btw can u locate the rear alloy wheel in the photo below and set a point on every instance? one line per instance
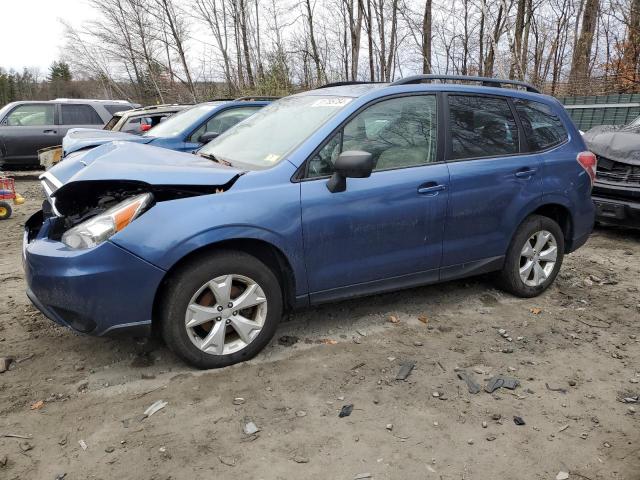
(220, 310)
(534, 257)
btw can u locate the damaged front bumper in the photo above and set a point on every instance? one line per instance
(105, 290)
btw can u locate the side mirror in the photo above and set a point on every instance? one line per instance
(350, 164)
(207, 137)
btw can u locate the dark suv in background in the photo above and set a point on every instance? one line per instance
(28, 126)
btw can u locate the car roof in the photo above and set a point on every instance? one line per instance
(476, 85)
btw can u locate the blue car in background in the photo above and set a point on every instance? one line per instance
(325, 195)
(185, 131)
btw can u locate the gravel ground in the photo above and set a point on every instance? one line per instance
(574, 350)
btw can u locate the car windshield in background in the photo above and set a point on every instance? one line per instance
(181, 121)
(263, 140)
(635, 123)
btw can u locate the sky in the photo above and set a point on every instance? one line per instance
(32, 33)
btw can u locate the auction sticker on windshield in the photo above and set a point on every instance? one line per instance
(332, 102)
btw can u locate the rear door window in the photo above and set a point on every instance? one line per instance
(542, 127)
(80, 115)
(31, 115)
(481, 126)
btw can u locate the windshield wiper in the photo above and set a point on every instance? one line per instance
(211, 156)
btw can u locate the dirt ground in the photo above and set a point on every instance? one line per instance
(579, 339)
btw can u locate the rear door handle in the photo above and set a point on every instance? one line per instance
(431, 188)
(50, 131)
(527, 173)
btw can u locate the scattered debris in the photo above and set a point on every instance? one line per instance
(37, 405)
(229, 461)
(563, 428)
(362, 476)
(393, 319)
(470, 441)
(15, 435)
(360, 365)
(555, 389)
(25, 446)
(445, 328)
(562, 476)
(250, 428)
(424, 319)
(535, 310)
(300, 459)
(501, 381)
(4, 460)
(346, 410)
(301, 413)
(417, 343)
(83, 444)
(389, 426)
(238, 401)
(518, 421)
(405, 370)
(472, 385)
(287, 340)
(154, 407)
(5, 363)
(491, 438)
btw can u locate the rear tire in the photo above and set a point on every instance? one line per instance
(221, 309)
(5, 210)
(534, 257)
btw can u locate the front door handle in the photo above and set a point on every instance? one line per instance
(431, 188)
(50, 131)
(526, 173)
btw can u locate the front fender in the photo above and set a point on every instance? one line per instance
(173, 229)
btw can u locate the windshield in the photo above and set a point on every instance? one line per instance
(181, 121)
(264, 139)
(635, 123)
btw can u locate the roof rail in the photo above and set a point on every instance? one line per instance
(255, 98)
(340, 84)
(485, 81)
(90, 100)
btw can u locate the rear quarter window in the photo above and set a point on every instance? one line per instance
(542, 126)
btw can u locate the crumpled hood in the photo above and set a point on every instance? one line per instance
(128, 161)
(80, 138)
(619, 143)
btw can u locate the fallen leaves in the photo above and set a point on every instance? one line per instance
(424, 319)
(37, 405)
(393, 319)
(535, 310)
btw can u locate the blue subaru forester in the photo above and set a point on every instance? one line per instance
(329, 194)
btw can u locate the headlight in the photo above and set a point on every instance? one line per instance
(101, 227)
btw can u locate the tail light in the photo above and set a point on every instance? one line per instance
(589, 162)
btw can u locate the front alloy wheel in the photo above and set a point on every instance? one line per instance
(226, 314)
(220, 308)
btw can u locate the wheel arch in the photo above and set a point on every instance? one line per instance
(562, 216)
(264, 251)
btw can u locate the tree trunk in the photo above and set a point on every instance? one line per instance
(426, 37)
(582, 54)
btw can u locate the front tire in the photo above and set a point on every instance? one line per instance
(534, 257)
(221, 309)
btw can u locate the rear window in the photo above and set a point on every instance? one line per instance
(80, 115)
(117, 108)
(542, 127)
(481, 127)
